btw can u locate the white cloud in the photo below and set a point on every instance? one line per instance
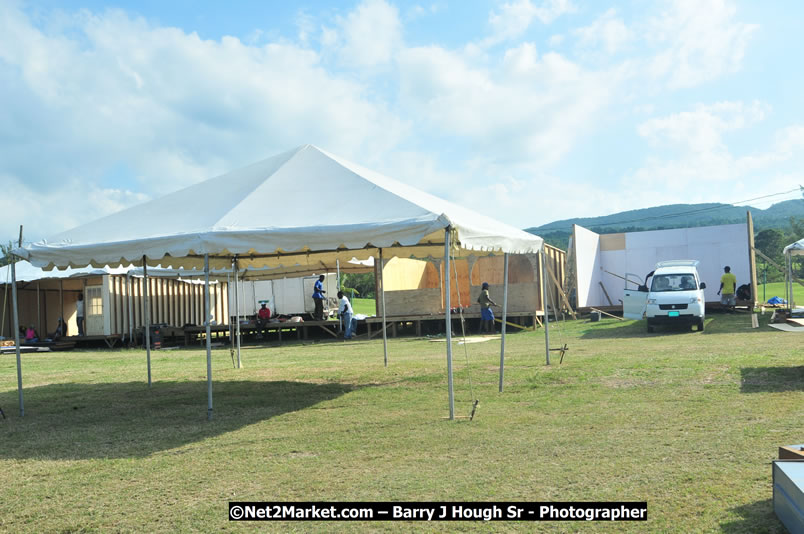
(701, 130)
(514, 18)
(608, 31)
(526, 107)
(699, 41)
(110, 89)
(701, 162)
(371, 34)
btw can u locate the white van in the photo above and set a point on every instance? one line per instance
(676, 296)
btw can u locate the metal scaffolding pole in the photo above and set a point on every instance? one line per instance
(544, 307)
(209, 336)
(504, 319)
(15, 314)
(384, 333)
(147, 317)
(237, 311)
(448, 318)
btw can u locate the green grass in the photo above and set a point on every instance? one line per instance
(777, 289)
(688, 422)
(367, 306)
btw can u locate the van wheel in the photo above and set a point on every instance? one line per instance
(651, 328)
(700, 325)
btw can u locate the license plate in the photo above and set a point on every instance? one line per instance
(673, 314)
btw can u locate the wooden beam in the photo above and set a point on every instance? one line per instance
(560, 291)
(509, 323)
(782, 269)
(752, 260)
(605, 313)
(606, 293)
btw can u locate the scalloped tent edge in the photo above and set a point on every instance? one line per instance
(236, 216)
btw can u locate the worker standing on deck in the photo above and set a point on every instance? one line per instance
(318, 299)
(486, 315)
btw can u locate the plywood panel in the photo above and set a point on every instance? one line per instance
(612, 242)
(414, 301)
(406, 273)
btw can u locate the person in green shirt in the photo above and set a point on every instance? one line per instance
(728, 284)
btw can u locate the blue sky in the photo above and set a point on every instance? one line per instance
(526, 110)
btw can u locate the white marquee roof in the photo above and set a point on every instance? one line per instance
(301, 209)
(796, 248)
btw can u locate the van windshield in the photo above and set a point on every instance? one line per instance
(673, 282)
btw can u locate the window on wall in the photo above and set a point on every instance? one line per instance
(94, 301)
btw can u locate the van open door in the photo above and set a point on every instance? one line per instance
(634, 301)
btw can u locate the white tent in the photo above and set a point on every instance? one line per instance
(303, 209)
(793, 249)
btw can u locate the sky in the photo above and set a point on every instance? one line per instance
(528, 111)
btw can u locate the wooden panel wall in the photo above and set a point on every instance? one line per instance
(173, 302)
(524, 279)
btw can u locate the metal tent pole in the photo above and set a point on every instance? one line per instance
(544, 307)
(237, 310)
(504, 319)
(61, 308)
(147, 316)
(209, 338)
(448, 317)
(229, 315)
(17, 329)
(39, 312)
(384, 333)
(338, 282)
(130, 291)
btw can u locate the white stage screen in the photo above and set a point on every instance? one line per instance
(638, 252)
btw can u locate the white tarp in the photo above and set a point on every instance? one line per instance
(795, 249)
(300, 210)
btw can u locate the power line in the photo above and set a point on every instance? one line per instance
(679, 214)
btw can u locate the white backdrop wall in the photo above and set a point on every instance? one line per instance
(587, 266)
(713, 246)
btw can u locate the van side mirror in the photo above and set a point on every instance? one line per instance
(643, 289)
(703, 285)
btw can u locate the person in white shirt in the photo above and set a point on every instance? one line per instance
(79, 308)
(346, 313)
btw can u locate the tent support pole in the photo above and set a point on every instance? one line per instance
(17, 329)
(504, 319)
(448, 318)
(237, 310)
(338, 283)
(544, 307)
(61, 308)
(129, 291)
(39, 312)
(384, 333)
(147, 317)
(209, 338)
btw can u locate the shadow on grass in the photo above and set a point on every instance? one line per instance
(715, 323)
(755, 517)
(632, 329)
(771, 379)
(129, 420)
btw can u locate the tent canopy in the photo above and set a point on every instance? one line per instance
(299, 211)
(795, 249)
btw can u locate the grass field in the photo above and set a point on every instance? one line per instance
(688, 422)
(777, 289)
(366, 306)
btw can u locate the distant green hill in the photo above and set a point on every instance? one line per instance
(672, 216)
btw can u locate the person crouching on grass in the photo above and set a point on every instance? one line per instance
(486, 315)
